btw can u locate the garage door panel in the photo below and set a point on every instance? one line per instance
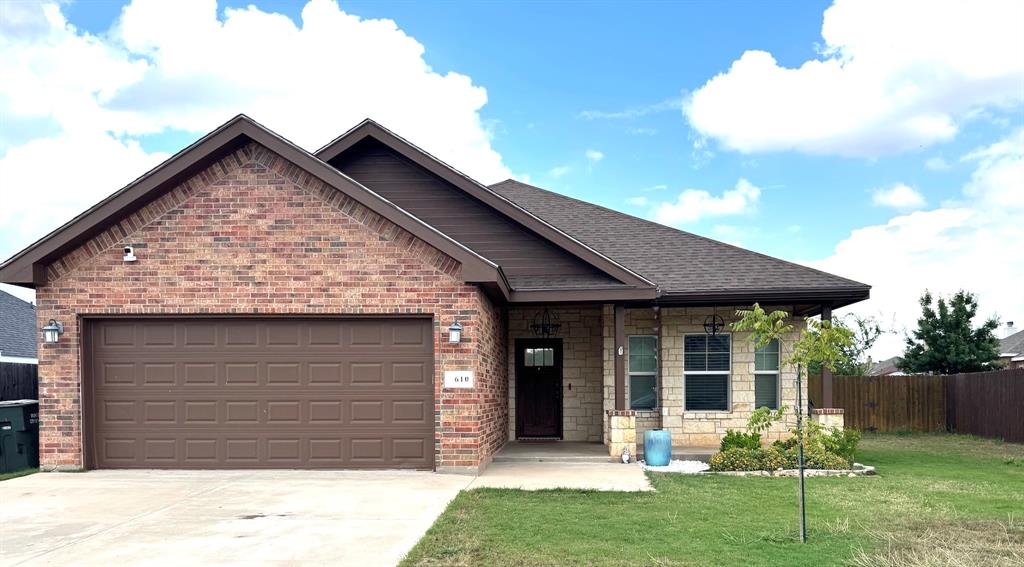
(262, 394)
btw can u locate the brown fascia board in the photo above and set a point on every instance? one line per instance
(606, 295)
(369, 128)
(834, 297)
(28, 267)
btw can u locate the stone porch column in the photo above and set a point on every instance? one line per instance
(621, 434)
(828, 417)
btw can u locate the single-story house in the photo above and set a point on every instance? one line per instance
(886, 367)
(250, 304)
(18, 331)
(1011, 349)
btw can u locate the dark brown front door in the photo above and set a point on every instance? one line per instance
(260, 393)
(539, 388)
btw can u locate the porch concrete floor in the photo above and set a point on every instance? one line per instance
(575, 452)
(552, 451)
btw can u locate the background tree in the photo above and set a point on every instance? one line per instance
(946, 341)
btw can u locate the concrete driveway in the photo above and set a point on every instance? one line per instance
(219, 517)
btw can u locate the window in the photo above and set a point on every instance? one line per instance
(643, 372)
(766, 376)
(706, 363)
(539, 356)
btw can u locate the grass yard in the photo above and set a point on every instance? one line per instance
(16, 474)
(938, 500)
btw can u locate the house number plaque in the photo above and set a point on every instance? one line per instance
(458, 378)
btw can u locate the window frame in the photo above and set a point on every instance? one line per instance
(727, 373)
(778, 377)
(657, 367)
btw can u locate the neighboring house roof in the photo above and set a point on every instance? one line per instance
(17, 327)
(583, 252)
(885, 367)
(1012, 345)
(682, 264)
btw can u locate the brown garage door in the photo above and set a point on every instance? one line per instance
(271, 393)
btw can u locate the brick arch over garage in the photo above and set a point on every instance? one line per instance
(255, 234)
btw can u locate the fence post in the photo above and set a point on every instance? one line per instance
(950, 383)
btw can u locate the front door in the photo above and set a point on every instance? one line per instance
(539, 388)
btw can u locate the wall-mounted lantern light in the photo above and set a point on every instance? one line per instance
(455, 333)
(52, 331)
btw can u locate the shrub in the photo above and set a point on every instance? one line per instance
(818, 458)
(742, 459)
(740, 440)
(785, 444)
(842, 442)
(775, 460)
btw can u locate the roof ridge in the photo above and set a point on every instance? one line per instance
(673, 229)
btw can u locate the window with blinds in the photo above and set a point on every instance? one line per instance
(707, 361)
(766, 376)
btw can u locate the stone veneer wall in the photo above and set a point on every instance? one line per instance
(582, 413)
(695, 428)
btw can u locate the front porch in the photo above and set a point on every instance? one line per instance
(579, 386)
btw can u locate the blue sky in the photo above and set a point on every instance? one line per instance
(609, 102)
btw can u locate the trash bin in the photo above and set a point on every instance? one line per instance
(19, 435)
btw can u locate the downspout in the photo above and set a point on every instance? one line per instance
(657, 373)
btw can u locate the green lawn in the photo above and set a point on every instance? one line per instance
(16, 474)
(938, 500)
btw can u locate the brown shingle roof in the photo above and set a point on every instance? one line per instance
(1012, 344)
(680, 263)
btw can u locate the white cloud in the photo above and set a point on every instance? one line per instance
(658, 187)
(89, 98)
(974, 244)
(593, 156)
(559, 171)
(640, 201)
(899, 196)
(937, 164)
(643, 131)
(695, 204)
(891, 76)
(633, 111)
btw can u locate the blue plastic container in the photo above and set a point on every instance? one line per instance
(657, 447)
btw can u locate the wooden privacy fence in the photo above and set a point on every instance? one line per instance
(19, 381)
(988, 404)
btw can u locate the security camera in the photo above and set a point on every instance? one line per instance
(129, 254)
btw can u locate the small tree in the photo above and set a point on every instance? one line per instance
(820, 344)
(946, 342)
(866, 331)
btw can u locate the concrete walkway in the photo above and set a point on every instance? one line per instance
(544, 475)
(219, 517)
(560, 464)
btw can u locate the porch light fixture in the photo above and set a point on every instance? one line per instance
(455, 333)
(52, 331)
(713, 323)
(545, 324)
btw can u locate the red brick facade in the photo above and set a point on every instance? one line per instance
(254, 234)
